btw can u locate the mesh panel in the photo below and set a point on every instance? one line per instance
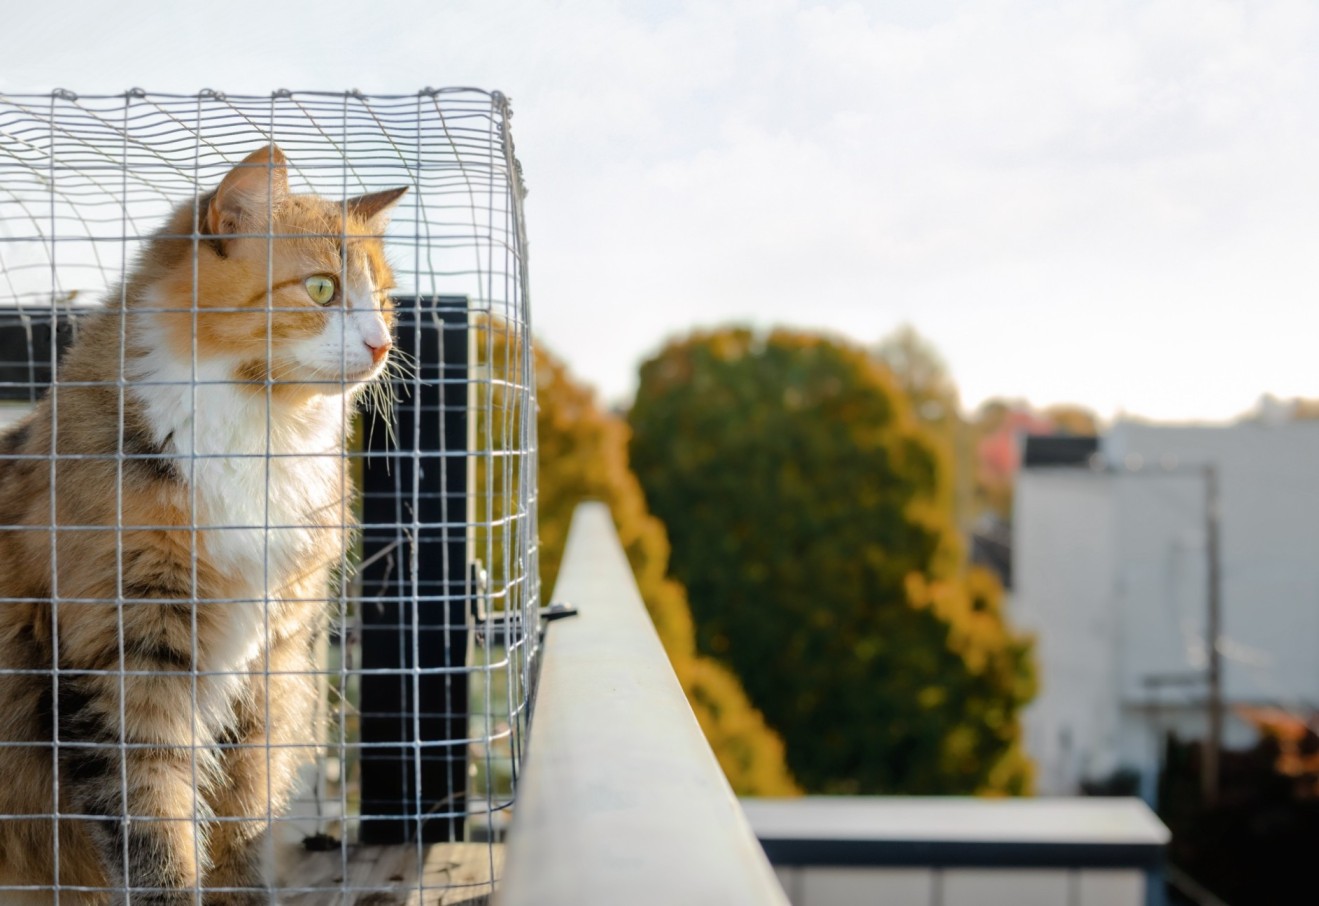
(268, 578)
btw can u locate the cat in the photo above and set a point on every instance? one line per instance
(174, 558)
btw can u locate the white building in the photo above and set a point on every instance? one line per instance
(1110, 574)
(953, 851)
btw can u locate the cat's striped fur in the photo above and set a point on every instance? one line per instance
(174, 557)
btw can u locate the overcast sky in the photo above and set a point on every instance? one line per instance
(1109, 203)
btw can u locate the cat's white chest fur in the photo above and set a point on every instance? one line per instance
(261, 482)
(261, 487)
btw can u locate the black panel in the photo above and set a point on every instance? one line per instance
(1059, 450)
(962, 854)
(25, 349)
(415, 611)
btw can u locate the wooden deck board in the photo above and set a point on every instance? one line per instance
(449, 874)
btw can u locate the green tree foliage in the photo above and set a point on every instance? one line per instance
(1067, 418)
(810, 522)
(923, 377)
(583, 456)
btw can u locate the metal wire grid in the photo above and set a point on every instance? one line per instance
(85, 181)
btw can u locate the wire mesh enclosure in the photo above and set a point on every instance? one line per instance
(268, 579)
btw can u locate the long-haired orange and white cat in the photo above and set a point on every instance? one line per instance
(170, 519)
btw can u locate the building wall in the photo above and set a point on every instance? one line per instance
(816, 885)
(1269, 477)
(1063, 594)
(1111, 575)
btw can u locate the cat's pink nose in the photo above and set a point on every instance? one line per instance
(378, 353)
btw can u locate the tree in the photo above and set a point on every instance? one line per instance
(923, 377)
(810, 523)
(583, 456)
(997, 431)
(1067, 418)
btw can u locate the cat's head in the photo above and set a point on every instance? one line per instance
(285, 288)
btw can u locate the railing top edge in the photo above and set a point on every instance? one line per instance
(622, 800)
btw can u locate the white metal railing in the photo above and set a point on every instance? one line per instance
(622, 800)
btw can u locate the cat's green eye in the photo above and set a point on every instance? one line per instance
(321, 289)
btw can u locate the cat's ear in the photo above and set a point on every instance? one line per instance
(373, 209)
(247, 194)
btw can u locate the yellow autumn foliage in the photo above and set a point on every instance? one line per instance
(583, 456)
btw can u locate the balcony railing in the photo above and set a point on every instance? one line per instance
(622, 800)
